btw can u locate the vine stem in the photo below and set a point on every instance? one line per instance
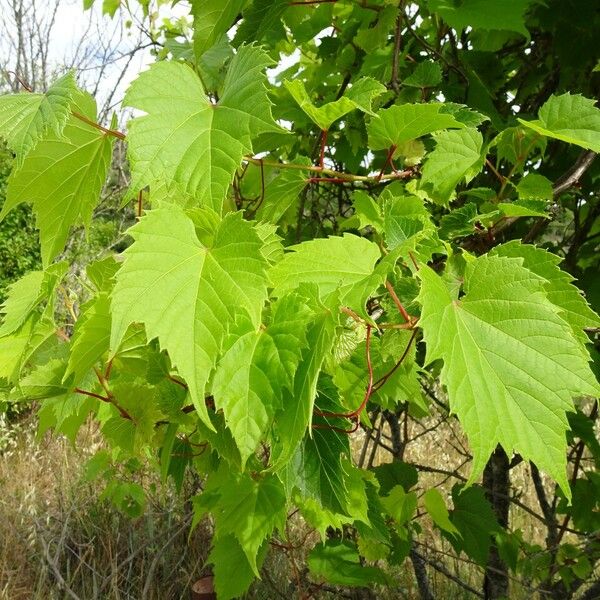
(344, 177)
(324, 133)
(408, 325)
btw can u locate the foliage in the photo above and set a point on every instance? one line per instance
(19, 246)
(270, 305)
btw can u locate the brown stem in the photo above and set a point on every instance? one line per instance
(323, 144)
(397, 302)
(388, 160)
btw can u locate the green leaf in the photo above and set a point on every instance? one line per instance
(338, 563)
(335, 263)
(397, 124)
(426, 74)
(187, 294)
(102, 272)
(524, 208)
(295, 416)
(511, 364)
(436, 507)
(459, 222)
(475, 521)
(359, 96)
(281, 195)
(185, 138)
(317, 469)
(504, 15)
(559, 287)
(367, 210)
(261, 18)
(91, 339)
(45, 381)
(23, 297)
(16, 348)
(457, 157)
(396, 473)
(400, 505)
(27, 117)
(227, 558)
(405, 221)
(62, 176)
(212, 19)
(571, 118)
(252, 375)
(250, 510)
(534, 187)
(516, 144)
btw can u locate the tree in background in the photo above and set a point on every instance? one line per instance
(351, 219)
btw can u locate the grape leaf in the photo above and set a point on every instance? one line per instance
(18, 348)
(281, 195)
(571, 118)
(253, 374)
(227, 557)
(23, 296)
(295, 416)
(534, 187)
(503, 15)
(338, 562)
(426, 74)
(402, 123)
(496, 342)
(559, 287)
(62, 176)
(187, 294)
(250, 510)
(187, 139)
(396, 473)
(261, 17)
(27, 117)
(436, 507)
(400, 505)
(91, 338)
(212, 19)
(475, 521)
(317, 468)
(359, 96)
(65, 414)
(524, 208)
(405, 220)
(335, 263)
(457, 156)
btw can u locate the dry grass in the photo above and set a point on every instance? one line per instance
(57, 540)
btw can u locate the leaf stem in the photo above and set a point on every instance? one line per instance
(397, 302)
(355, 414)
(118, 134)
(382, 381)
(388, 160)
